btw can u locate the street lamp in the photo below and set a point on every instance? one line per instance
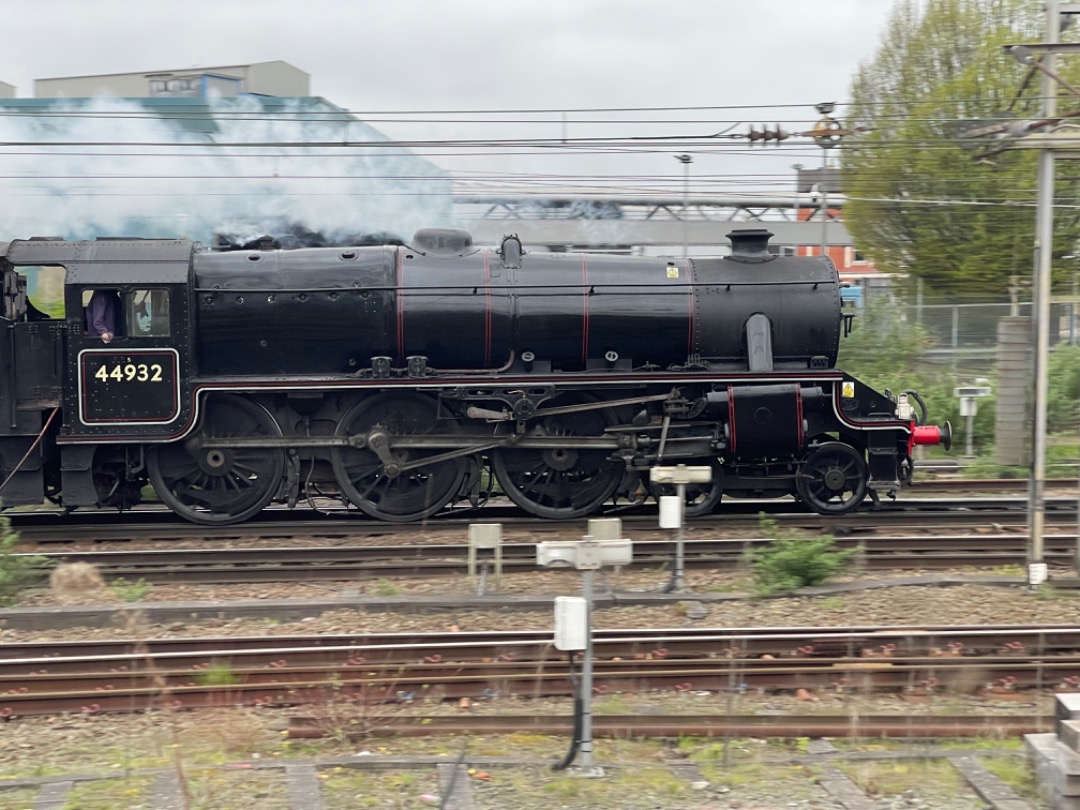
(827, 125)
(798, 167)
(685, 160)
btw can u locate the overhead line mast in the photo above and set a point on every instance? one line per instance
(1054, 137)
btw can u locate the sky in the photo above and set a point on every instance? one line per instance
(387, 60)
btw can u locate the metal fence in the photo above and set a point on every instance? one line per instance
(960, 328)
(970, 328)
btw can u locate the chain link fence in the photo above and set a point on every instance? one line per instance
(959, 328)
(968, 329)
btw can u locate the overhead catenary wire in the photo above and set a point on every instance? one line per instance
(78, 107)
(478, 148)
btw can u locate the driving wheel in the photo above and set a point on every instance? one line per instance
(219, 484)
(562, 481)
(394, 492)
(701, 499)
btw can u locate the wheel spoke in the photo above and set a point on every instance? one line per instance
(176, 464)
(416, 493)
(222, 485)
(833, 479)
(701, 499)
(564, 482)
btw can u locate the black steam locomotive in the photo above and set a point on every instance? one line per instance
(405, 379)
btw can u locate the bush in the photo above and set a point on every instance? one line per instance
(127, 591)
(17, 572)
(790, 562)
(1064, 372)
(219, 673)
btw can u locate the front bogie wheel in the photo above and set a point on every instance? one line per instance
(833, 479)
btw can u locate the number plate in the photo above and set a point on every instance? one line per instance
(124, 387)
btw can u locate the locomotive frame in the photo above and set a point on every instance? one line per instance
(405, 379)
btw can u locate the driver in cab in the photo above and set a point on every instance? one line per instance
(101, 314)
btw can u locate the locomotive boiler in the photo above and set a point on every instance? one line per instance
(407, 379)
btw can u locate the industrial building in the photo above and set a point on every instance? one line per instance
(275, 78)
(187, 153)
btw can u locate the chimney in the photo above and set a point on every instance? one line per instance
(750, 245)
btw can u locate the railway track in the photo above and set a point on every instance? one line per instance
(999, 663)
(924, 514)
(936, 485)
(158, 522)
(225, 565)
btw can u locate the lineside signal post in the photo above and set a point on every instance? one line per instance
(673, 510)
(586, 555)
(969, 406)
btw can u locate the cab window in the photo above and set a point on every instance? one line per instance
(102, 303)
(43, 292)
(146, 313)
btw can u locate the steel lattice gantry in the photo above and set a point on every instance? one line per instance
(648, 221)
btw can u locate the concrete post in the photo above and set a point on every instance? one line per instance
(1012, 423)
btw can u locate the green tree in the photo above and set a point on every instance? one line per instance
(1062, 408)
(883, 349)
(919, 203)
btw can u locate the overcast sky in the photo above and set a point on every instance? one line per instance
(409, 55)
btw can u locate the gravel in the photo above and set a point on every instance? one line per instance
(511, 771)
(642, 773)
(967, 604)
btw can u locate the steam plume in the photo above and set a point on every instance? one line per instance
(192, 188)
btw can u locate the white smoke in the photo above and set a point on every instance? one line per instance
(81, 168)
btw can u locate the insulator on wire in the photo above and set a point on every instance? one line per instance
(765, 134)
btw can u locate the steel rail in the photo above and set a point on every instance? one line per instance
(983, 484)
(919, 662)
(159, 522)
(995, 679)
(796, 641)
(889, 672)
(279, 564)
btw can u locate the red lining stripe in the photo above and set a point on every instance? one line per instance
(487, 311)
(831, 377)
(690, 318)
(798, 415)
(731, 413)
(400, 305)
(585, 312)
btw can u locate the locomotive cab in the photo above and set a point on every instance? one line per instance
(127, 362)
(127, 338)
(31, 346)
(122, 386)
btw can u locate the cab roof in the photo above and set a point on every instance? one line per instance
(107, 261)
